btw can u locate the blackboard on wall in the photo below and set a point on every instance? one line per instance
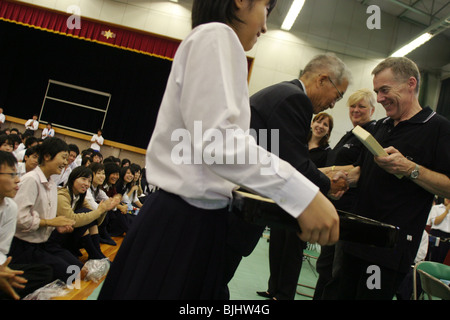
(134, 81)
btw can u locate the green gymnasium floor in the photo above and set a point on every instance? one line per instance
(253, 274)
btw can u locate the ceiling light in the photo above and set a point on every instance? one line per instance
(294, 11)
(412, 45)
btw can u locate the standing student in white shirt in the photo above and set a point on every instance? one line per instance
(439, 220)
(32, 125)
(2, 118)
(97, 140)
(36, 216)
(175, 247)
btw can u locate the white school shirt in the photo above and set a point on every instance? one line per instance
(208, 83)
(36, 199)
(32, 124)
(435, 212)
(95, 138)
(48, 133)
(8, 216)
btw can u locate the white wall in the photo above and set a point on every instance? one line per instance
(278, 55)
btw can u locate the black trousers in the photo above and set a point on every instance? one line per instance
(285, 259)
(353, 279)
(48, 253)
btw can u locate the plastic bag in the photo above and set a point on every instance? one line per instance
(96, 269)
(56, 288)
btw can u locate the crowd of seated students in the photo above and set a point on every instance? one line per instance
(67, 200)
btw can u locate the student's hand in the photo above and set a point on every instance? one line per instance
(108, 204)
(60, 221)
(319, 222)
(122, 208)
(10, 279)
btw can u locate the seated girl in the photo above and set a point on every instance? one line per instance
(72, 204)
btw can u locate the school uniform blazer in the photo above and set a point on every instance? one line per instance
(286, 107)
(82, 218)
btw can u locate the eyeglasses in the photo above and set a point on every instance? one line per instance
(341, 95)
(12, 174)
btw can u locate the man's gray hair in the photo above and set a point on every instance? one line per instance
(331, 64)
(402, 68)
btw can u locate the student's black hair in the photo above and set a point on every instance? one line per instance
(30, 141)
(121, 185)
(96, 167)
(7, 159)
(136, 167)
(51, 146)
(205, 11)
(78, 172)
(15, 138)
(124, 161)
(5, 138)
(31, 150)
(74, 148)
(110, 168)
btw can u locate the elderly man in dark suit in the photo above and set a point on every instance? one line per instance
(288, 107)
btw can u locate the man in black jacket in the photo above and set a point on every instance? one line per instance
(288, 107)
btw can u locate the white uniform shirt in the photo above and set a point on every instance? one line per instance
(8, 216)
(48, 133)
(2, 119)
(36, 199)
(32, 124)
(207, 87)
(97, 142)
(435, 212)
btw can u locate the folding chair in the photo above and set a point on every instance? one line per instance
(434, 278)
(312, 251)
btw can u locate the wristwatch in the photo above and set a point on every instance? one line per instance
(415, 173)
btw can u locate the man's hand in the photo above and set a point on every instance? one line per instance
(395, 163)
(319, 222)
(338, 184)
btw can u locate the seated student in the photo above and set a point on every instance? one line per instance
(16, 140)
(138, 175)
(125, 162)
(86, 161)
(29, 142)
(15, 279)
(120, 220)
(6, 143)
(134, 188)
(72, 204)
(96, 193)
(30, 161)
(112, 176)
(97, 157)
(87, 152)
(36, 217)
(48, 131)
(74, 151)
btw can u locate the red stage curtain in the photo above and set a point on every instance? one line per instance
(93, 31)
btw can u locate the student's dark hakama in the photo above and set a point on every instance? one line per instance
(173, 251)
